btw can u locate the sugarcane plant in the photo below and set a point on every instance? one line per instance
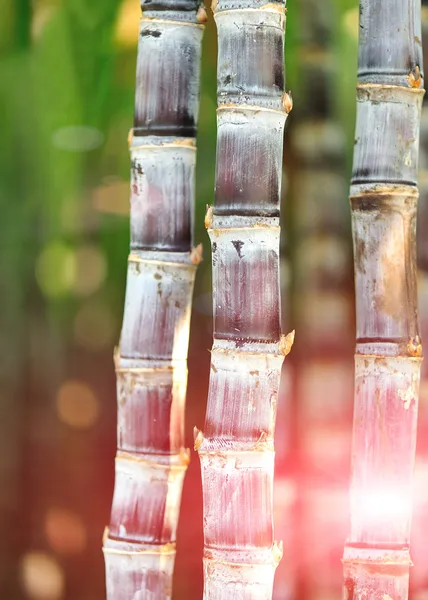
(388, 355)
(236, 448)
(420, 519)
(151, 361)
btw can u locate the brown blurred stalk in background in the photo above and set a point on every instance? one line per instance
(151, 362)
(388, 350)
(322, 306)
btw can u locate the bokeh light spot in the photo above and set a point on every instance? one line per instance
(113, 198)
(56, 269)
(77, 405)
(350, 22)
(91, 270)
(42, 576)
(65, 531)
(42, 14)
(94, 326)
(128, 24)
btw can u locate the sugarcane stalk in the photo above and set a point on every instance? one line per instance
(388, 355)
(422, 238)
(151, 362)
(419, 583)
(236, 449)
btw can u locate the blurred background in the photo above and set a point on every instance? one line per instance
(67, 78)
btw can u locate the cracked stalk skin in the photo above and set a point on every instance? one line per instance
(151, 361)
(236, 448)
(388, 355)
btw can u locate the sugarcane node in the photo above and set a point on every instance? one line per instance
(196, 254)
(198, 437)
(274, 7)
(168, 549)
(277, 552)
(414, 77)
(130, 137)
(186, 142)
(286, 343)
(201, 15)
(287, 102)
(105, 535)
(208, 217)
(116, 356)
(414, 347)
(264, 443)
(208, 555)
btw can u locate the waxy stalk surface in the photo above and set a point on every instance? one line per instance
(236, 448)
(419, 579)
(388, 348)
(151, 362)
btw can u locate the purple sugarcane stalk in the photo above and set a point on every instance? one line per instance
(388, 355)
(151, 361)
(236, 448)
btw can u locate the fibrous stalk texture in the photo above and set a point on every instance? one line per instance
(419, 583)
(151, 362)
(388, 348)
(236, 448)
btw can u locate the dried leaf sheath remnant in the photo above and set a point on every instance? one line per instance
(151, 362)
(236, 447)
(388, 350)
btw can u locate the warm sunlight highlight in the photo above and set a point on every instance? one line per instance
(91, 270)
(42, 576)
(382, 505)
(77, 404)
(65, 531)
(56, 269)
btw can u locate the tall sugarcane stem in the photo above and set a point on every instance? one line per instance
(151, 361)
(419, 584)
(236, 447)
(388, 349)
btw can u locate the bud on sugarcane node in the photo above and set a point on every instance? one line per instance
(151, 362)
(388, 357)
(236, 448)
